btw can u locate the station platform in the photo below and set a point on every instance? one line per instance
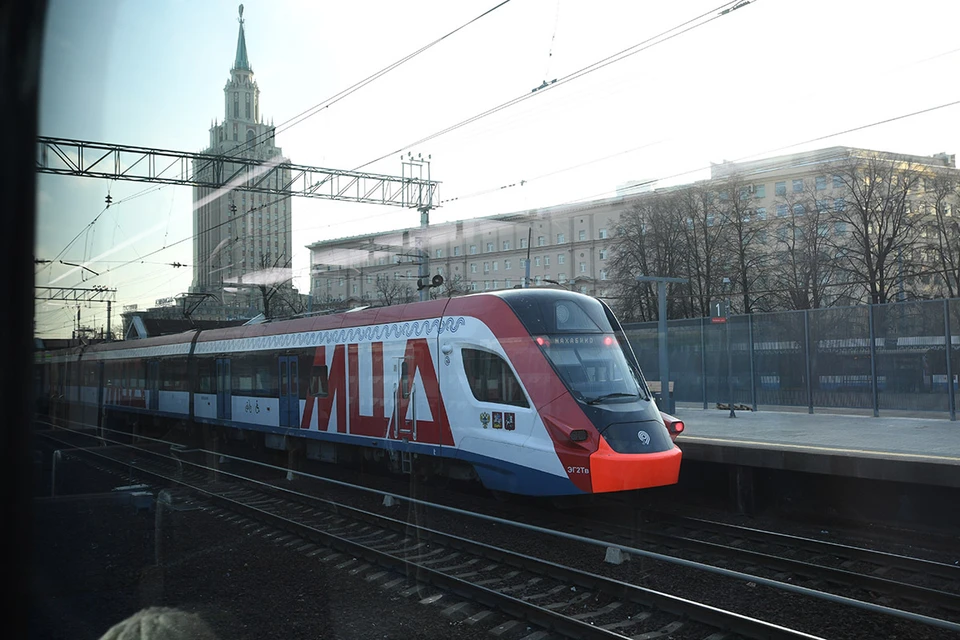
(922, 450)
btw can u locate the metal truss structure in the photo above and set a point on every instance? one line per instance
(74, 294)
(63, 156)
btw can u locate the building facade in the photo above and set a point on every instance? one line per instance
(568, 246)
(573, 246)
(236, 233)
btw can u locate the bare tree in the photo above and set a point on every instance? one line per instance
(804, 249)
(706, 245)
(391, 291)
(749, 257)
(877, 211)
(941, 244)
(649, 241)
(273, 280)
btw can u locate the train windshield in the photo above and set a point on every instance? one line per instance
(592, 366)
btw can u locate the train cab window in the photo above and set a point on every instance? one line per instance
(491, 379)
(319, 385)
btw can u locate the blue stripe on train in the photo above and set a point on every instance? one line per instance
(495, 474)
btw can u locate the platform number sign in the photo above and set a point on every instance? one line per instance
(719, 310)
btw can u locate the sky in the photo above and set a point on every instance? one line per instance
(772, 77)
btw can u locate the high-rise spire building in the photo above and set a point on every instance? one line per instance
(237, 233)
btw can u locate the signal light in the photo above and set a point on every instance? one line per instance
(677, 426)
(578, 435)
(608, 341)
(543, 342)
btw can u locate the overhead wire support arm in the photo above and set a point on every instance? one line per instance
(62, 156)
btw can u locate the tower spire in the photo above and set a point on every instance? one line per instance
(241, 62)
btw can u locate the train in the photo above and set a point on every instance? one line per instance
(534, 392)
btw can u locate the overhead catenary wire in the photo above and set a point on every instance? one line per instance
(684, 27)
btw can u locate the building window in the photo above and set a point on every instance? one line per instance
(536, 261)
(506, 245)
(236, 106)
(582, 235)
(439, 253)
(489, 247)
(247, 105)
(798, 185)
(339, 282)
(603, 234)
(561, 258)
(761, 213)
(473, 286)
(821, 183)
(538, 281)
(839, 228)
(508, 283)
(583, 267)
(486, 267)
(473, 267)
(496, 265)
(781, 210)
(354, 289)
(456, 250)
(473, 249)
(603, 254)
(506, 265)
(561, 278)
(780, 188)
(541, 241)
(822, 205)
(546, 261)
(523, 243)
(560, 238)
(760, 190)
(798, 209)
(486, 285)
(837, 182)
(839, 204)
(603, 274)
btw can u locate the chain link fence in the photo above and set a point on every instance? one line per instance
(901, 357)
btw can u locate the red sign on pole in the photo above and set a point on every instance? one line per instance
(716, 320)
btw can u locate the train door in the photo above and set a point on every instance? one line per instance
(289, 392)
(153, 385)
(411, 418)
(224, 400)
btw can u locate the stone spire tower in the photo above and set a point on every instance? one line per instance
(238, 235)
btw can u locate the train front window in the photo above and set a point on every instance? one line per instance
(591, 365)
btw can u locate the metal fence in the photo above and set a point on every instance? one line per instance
(891, 357)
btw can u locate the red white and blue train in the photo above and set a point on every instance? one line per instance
(532, 391)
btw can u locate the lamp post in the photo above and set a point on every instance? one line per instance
(726, 314)
(662, 334)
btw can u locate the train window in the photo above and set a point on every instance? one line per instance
(570, 317)
(491, 379)
(405, 379)
(254, 375)
(319, 386)
(207, 375)
(173, 374)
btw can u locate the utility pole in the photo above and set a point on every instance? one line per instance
(422, 199)
(662, 333)
(75, 294)
(726, 315)
(526, 269)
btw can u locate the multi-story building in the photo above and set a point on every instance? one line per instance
(568, 246)
(237, 233)
(572, 245)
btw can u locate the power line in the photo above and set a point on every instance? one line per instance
(660, 38)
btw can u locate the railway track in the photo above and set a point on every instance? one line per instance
(473, 580)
